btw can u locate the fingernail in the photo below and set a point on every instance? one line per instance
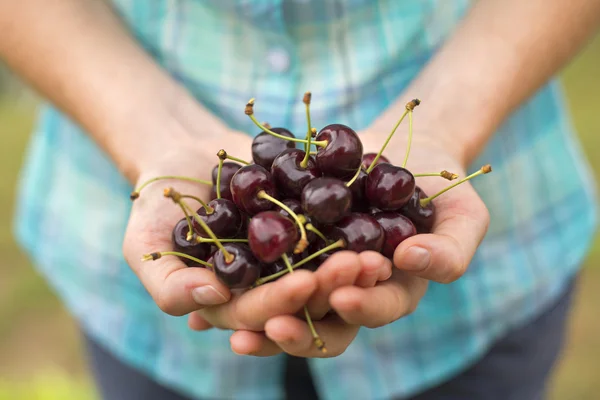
(415, 259)
(208, 296)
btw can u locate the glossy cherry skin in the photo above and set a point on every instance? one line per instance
(389, 187)
(225, 221)
(180, 244)
(242, 272)
(359, 198)
(270, 235)
(368, 158)
(326, 200)
(229, 169)
(343, 154)
(361, 232)
(245, 186)
(422, 217)
(265, 147)
(290, 178)
(397, 228)
(293, 205)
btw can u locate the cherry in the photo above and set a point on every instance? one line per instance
(229, 169)
(191, 248)
(397, 228)
(279, 265)
(245, 185)
(359, 198)
(270, 235)
(293, 205)
(326, 200)
(422, 217)
(343, 153)
(225, 220)
(368, 158)
(361, 232)
(290, 175)
(266, 147)
(239, 273)
(389, 187)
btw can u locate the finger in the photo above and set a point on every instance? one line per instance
(253, 343)
(340, 269)
(197, 323)
(374, 267)
(252, 309)
(443, 256)
(293, 336)
(380, 305)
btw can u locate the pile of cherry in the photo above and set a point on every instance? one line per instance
(293, 207)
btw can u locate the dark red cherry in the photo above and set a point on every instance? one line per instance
(389, 187)
(422, 217)
(279, 265)
(265, 147)
(326, 200)
(343, 154)
(229, 169)
(270, 235)
(245, 186)
(316, 246)
(397, 228)
(293, 205)
(225, 221)
(242, 272)
(359, 198)
(194, 249)
(373, 210)
(361, 232)
(289, 176)
(368, 158)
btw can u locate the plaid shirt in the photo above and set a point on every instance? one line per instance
(356, 56)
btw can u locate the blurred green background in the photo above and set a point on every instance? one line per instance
(40, 353)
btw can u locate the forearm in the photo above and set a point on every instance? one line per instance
(502, 53)
(78, 55)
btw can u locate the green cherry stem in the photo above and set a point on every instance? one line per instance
(190, 234)
(336, 245)
(317, 339)
(176, 197)
(306, 100)
(351, 181)
(410, 134)
(136, 193)
(249, 111)
(303, 242)
(156, 255)
(218, 186)
(409, 107)
(483, 170)
(209, 210)
(311, 228)
(444, 174)
(222, 154)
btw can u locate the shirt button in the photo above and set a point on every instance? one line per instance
(279, 60)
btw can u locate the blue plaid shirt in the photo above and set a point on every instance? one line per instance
(356, 56)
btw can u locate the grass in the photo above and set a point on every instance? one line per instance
(40, 355)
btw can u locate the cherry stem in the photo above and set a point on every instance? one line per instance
(303, 242)
(318, 341)
(222, 154)
(157, 255)
(351, 181)
(306, 101)
(444, 174)
(200, 239)
(409, 107)
(219, 169)
(483, 170)
(176, 197)
(209, 210)
(311, 228)
(136, 193)
(249, 110)
(190, 234)
(339, 244)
